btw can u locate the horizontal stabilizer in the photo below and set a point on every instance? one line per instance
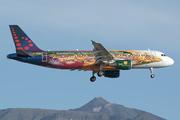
(22, 53)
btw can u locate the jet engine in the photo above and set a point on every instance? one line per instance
(112, 73)
(121, 64)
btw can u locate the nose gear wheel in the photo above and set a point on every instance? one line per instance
(152, 75)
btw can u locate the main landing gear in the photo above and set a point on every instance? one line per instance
(93, 78)
(99, 73)
(152, 75)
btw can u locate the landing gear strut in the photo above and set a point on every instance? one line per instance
(152, 75)
(99, 73)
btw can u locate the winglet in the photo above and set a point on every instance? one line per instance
(93, 42)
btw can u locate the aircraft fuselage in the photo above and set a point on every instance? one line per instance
(84, 60)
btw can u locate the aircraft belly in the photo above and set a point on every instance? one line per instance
(97, 68)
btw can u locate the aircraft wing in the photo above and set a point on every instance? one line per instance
(101, 54)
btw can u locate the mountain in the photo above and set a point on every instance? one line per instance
(98, 104)
(101, 105)
(96, 109)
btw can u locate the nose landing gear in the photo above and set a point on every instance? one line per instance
(152, 75)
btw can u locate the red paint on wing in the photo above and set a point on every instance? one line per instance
(15, 37)
(22, 37)
(26, 38)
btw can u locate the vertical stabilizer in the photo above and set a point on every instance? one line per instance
(22, 41)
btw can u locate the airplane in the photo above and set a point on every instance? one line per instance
(107, 63)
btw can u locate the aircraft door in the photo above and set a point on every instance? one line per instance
(44, 57)
(153, 55)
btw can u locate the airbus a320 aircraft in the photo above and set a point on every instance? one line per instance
(101, 61)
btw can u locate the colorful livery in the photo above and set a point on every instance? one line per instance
(99, 60)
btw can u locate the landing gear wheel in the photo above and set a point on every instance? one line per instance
(100, 73)
(152, 76)
(93, 78)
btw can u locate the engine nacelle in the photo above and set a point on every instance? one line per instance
(112, 73)
(122, 64)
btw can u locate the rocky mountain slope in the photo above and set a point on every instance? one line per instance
(96, 109)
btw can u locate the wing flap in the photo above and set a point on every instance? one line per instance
(101, 54)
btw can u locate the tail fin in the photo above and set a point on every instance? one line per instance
(22, 41)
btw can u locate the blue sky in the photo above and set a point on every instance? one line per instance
(70, 25)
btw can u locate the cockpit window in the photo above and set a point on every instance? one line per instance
(163, 55)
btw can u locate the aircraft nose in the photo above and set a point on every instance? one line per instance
(170, 61)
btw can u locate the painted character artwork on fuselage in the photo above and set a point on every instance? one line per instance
(99, 60)
(83, 59)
